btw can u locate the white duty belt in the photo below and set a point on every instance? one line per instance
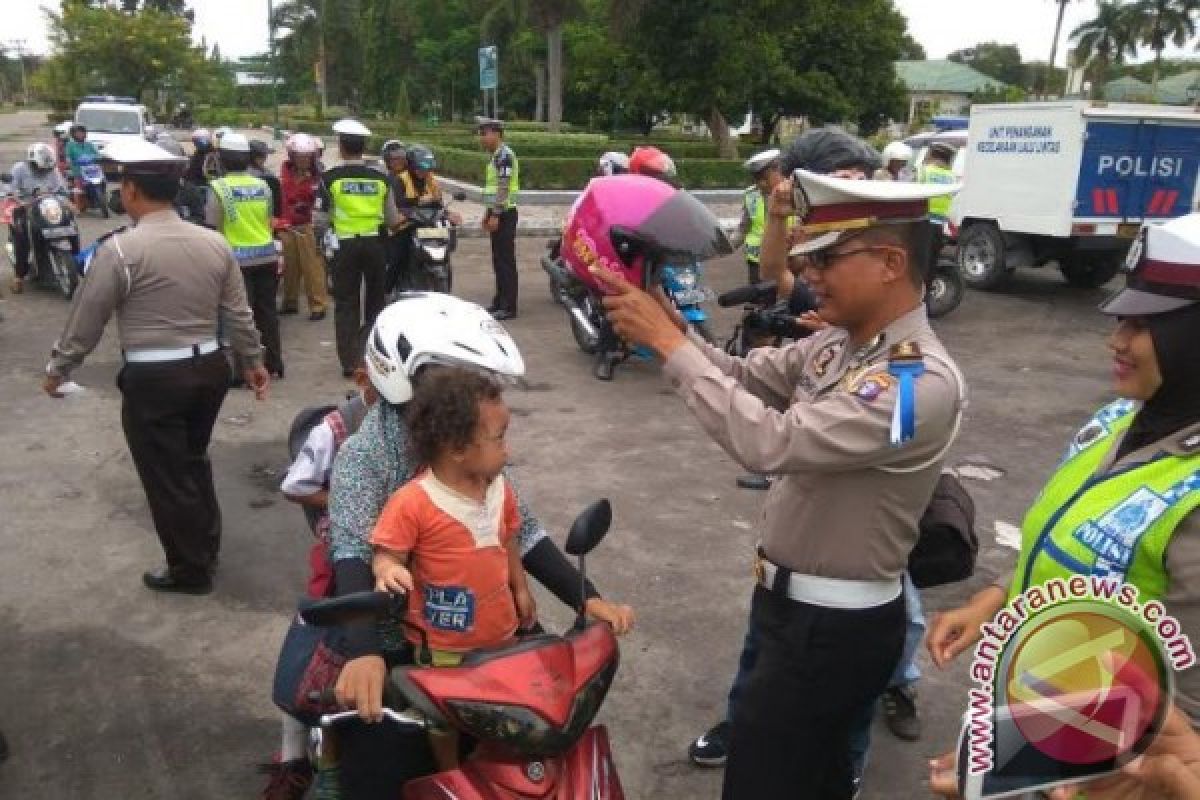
(825, 592)
(162, 354)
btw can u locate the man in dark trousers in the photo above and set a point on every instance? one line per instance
(501, 186)
(355, 200)
(166, 281)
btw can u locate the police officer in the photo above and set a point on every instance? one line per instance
(764, 167)
(855, 420)
(165, 280)
(500, 190)
(936, 170)
(357, 201)
(241, 206)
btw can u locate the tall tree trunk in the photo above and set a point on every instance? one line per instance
(539, 82)
(726, 144)
(322, 64)
(554, 68)
(1062, 10)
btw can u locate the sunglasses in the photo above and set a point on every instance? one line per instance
(823, 260)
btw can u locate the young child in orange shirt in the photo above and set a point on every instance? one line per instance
(448, 537)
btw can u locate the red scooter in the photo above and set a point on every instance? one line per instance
(528, 706)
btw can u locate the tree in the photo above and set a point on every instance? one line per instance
(504, 20)
(1159, 22)
(322, 37)
(999, 61)
(1104, 41)
(1062, 10)
(911, 49)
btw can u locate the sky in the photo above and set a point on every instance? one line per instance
(941, 26)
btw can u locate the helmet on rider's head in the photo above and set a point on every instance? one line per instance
(897, 151)
(612, 163)
(300, 144)
(421, 157)
(652, 162)
(422, 329)
(202, 139)
(63, 129)
(827, 150)
(40, 156)
(393, 148)
(620, 222)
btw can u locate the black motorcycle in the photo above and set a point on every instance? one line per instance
(52, 234)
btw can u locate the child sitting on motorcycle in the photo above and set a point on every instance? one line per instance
(79, 148)
(449, 537)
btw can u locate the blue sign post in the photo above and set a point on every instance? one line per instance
(489, 77)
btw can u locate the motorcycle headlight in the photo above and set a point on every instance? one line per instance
(51, 210)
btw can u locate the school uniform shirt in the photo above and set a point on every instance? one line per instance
(458, 557)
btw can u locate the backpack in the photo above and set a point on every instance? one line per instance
(947, 544)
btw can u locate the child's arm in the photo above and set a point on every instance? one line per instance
(522, 597)
(391, 571)
(307, 479)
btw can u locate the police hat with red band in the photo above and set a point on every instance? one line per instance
(1162, 270)
(828, 208)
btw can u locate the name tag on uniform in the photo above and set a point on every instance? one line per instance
(450, 608)
(360, 187)
(248, 192)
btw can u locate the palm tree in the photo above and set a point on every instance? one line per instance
(1104, 41)
(1163, 22)
(548, 17)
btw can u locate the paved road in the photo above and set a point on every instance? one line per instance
(110, 691)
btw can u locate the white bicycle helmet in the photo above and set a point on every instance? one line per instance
(423, 328)
(613, 163)
(40, 155)
(897, 151)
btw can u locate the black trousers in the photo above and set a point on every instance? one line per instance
(399, 261)
(168, 411)
(262, 284)
(19, 236)
(359, 275)
(504, 261)
(817, 669)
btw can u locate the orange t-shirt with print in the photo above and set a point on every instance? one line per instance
(458, 560)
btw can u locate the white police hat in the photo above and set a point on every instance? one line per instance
(828, 209)
(350, 127)
(1162, 270)
(139, 157)
(489, 124)
(760, 161)
(234, 143)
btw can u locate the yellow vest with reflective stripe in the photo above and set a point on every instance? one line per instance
(939, 207)
(246, 212)
(491, 187)
(1116, 525)
(756, 208)
(358, 205)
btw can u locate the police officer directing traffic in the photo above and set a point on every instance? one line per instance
(764, 167)
(166, 281)
(856, 421)
(356, 201)
(502, 184)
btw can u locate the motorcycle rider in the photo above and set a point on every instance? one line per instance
(417, 187)
(896, 158)
(62, 132)
(394, 158)
(204, 164)
(652, 162)
(612, 163)
(78, 147)
(36, 175)
(764, 168)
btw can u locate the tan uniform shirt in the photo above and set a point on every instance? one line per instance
(818, 414)
(1182, 561)
(166, 280)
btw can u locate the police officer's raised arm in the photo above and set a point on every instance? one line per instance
(103, 288)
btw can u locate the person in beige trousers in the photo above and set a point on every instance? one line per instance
(303, 263)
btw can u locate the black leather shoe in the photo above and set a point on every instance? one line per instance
(316, 316)
(503, 315)
(161, 580)
(758, 483)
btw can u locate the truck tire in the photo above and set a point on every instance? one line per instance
(981, 254)
(1090, 270)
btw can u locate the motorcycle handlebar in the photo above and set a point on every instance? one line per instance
(405, 719)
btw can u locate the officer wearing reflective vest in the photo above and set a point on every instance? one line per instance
(1122, 503)
(502, 184)
(355, 203)
(764, 167)
(936, 170)
(855, 421)
(240, 206)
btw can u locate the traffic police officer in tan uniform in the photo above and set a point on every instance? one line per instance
(856, 421)
(166, 280)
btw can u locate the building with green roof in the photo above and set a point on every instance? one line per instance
(942, 87)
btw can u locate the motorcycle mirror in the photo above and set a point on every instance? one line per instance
(459, 196)
(355, 607)
(114, 203)
(589, 528)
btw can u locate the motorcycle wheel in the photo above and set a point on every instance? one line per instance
(63, 268)
(945, 291)
(706, 333)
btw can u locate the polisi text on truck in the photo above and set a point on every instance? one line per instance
(1141, 166)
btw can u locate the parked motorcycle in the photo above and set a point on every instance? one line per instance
(94, 186)
(53, 238)
(528, 706)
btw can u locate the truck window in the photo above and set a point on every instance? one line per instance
(106, 120)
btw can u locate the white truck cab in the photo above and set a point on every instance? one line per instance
(1071, 183)
(110, 119)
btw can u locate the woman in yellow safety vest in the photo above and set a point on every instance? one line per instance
(1123, 502)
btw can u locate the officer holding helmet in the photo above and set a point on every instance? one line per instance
(355, 201)
(855, 422)
(166, 281)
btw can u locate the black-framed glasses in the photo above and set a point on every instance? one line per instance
(822, 260)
